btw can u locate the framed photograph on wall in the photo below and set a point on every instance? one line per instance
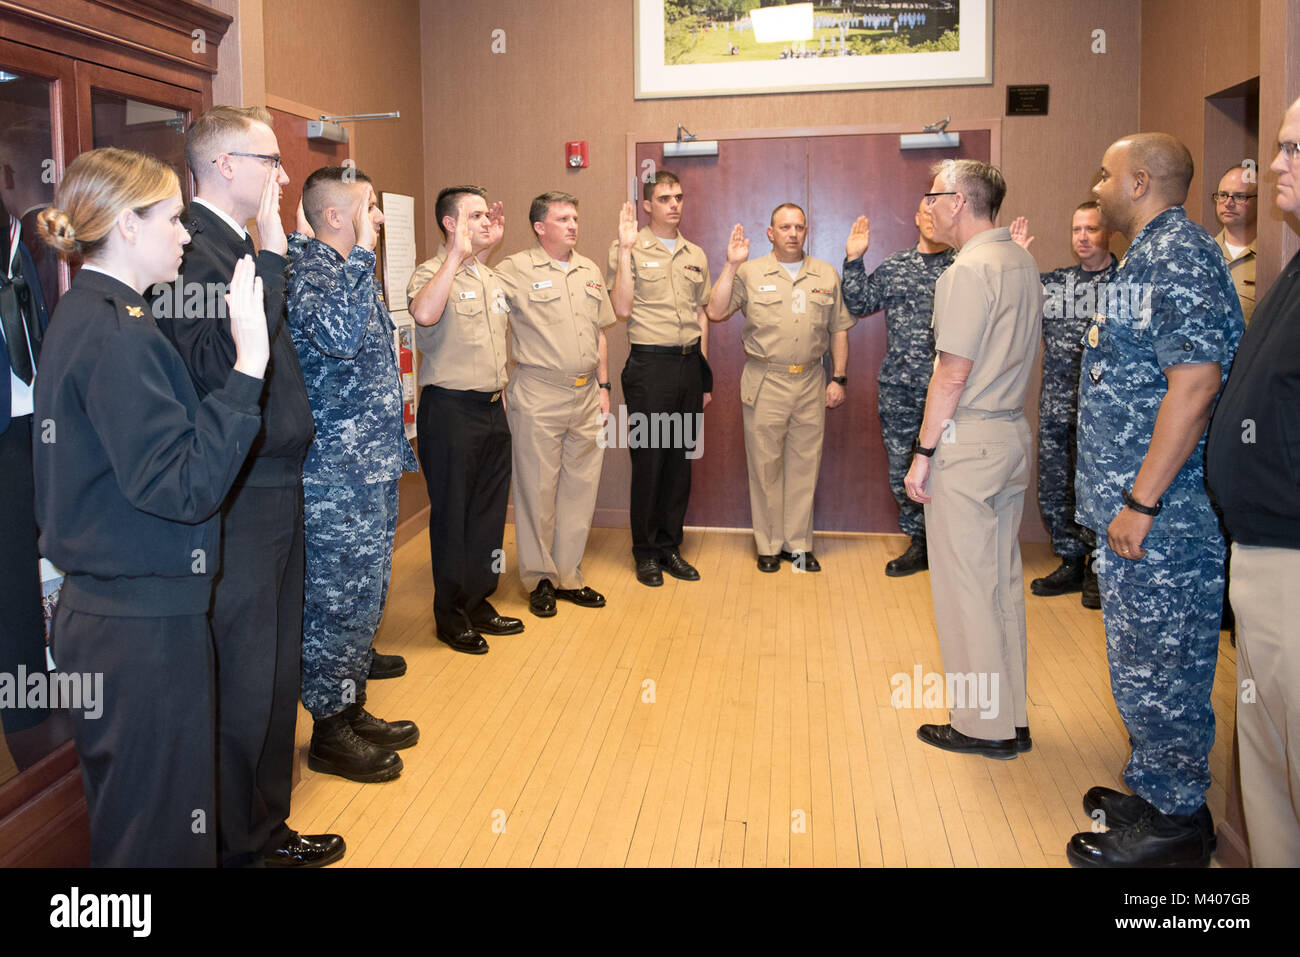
(736, 47)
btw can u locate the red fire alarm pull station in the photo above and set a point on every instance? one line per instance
(575, 154)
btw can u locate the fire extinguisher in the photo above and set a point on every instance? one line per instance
(406, 361)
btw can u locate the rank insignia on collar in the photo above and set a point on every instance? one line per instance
(1096, 374)
(1093, 337)
(135, 312)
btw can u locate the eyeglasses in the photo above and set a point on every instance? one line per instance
(1238, 198)
(931, 197)
(272, 158)
(1291, 149)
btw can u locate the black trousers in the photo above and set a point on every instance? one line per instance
(148, 761)
(661, 478)
(22, 623)
(464, 446)
(257, 631)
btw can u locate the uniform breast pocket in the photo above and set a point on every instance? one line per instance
(591, 303)
(766, 299)
(545, 305)
(653, 276)
(471, 323)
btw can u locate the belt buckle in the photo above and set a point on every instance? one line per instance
(495, 396)
(795, 370)
(580, 380)
(686, 350)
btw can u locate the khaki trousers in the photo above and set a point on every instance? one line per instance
(1267, 606)
(784, 428)
(557, 463)
(977, 482)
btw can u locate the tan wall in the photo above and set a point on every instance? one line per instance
(1192, 49)
(501, 120)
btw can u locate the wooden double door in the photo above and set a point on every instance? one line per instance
(835, 179)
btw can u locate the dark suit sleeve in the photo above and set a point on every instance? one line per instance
(204, 342)
(168, 461)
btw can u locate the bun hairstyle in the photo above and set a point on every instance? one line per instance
(97, 186)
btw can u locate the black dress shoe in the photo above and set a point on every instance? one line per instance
(469, 641)
(1066, 578)
(393, 735)
(337, 749)
(1091, 596)
(648, 573)
(915, 559)
(948, 738)
(673, 563)
(1023, 741)
(584, 596)
(1155, 840)
(499, 625)
(541, 600)
(307, 850)
(802, 561)
(386, 666)
(1120, 809)
(769, 563)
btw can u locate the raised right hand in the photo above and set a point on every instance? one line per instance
(737, 245)
(363, 226)
(859, 240)
(627, 227)
(462, 245)
(248, 319)
(269, 228)
(1020, 231)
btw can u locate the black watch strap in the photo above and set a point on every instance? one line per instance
(604, 385)
(1138, 507)
(841, 380)
(920, 449)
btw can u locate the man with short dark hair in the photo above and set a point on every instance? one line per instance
(793, 315)
(460, 308)
(1155, 360)
(344, 338)
(1074, 294)
(902, 285)
(1236, 204)
(558, 392)
(659, 283)
(258, 592)
(1254, 475)
(987, 321)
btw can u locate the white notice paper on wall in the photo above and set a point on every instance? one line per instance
(399, 247)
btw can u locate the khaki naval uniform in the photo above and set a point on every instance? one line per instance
(665, 373)
(1243, 273)
(556, 316)
(788, 328)
(988, 308)
(464, 439)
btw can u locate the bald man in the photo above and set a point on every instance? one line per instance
(1155, 358)
(1251, 468)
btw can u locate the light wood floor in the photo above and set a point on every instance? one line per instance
(742, 720)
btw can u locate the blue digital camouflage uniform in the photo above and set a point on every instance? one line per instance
(902, 285)
(1068, 309)
(1162, 612)
(344, 338)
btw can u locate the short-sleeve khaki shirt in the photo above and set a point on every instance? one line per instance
(669, 289)
(988, 307)
(789, 321)
(466, 348)
(556, 315)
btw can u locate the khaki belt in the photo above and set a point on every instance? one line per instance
(789, 368)
(979, 415)
(560, 378)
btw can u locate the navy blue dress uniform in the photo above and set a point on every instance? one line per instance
(257, 597)
(1071, 303)
(902, 285)
(131, 469)
(23, 320)
(344, 338)
(1161, 612)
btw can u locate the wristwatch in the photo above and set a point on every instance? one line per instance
(1138, 507)
(840, 380)
(604, 385)
(920, 449)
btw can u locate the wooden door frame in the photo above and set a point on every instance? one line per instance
(992, 126)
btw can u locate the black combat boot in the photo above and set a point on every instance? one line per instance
(914, 560)
(393, 735)
(337, 749)
(1091, 597)
(1067, 578)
